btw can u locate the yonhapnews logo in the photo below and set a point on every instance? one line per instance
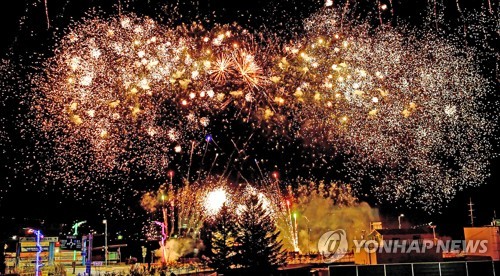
(421, 246)
(333, 245)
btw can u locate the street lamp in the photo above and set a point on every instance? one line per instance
(399, 220)
(105, 241)
(433, 232)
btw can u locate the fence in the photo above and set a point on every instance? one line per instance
(468, 268)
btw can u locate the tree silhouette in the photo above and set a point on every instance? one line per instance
(221, 235)
(258, 247)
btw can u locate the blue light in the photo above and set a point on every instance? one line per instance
(208, 138)
(39, 236)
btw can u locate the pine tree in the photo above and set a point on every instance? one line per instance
(258, 247)
(206, 238)
(221, 254)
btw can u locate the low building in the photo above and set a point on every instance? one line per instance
(490, 234)
(383, 246)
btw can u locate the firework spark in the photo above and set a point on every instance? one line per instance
(404, 108)
(222, 70)
(214, 200)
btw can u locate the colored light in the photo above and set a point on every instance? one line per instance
(276, 175)
(39, 236)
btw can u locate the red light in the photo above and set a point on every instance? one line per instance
(58, 244)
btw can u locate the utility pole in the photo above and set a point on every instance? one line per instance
(471, 212)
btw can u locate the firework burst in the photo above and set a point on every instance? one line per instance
(397, 103)
(222, 69)
(404, 108)
(214, 200)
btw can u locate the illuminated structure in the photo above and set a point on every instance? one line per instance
(75, 233)
(488, 233)
(163, 240)
(38, 264)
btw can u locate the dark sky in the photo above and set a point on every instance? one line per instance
(24, 30)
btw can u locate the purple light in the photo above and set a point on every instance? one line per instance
(163, 239)
(208, 138)
(39, 236)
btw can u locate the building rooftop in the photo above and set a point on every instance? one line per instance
(406, 231)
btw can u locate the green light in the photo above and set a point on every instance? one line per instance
(120, 237)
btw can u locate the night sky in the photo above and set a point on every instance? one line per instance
(24, 31)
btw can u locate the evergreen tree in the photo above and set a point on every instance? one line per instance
(259, 249)
(206, 238)
(221, 254)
